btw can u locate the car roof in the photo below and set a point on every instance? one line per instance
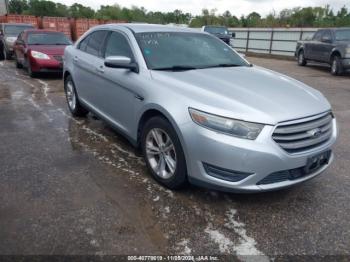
(220, 26)
(41, 31)
(144, 28)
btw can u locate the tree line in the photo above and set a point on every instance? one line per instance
(295, 17)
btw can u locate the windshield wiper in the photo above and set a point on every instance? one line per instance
(176, 68)
(223, 65)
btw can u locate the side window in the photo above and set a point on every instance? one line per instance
(95, 44)
(318, 36)
(83, 44)
(327, 34)
(118, 45)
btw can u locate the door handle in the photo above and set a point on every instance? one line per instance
(100, 69)
(75, 59)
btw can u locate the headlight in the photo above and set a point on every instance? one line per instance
(39, 55)
(225, 125)
(347, 50)
(11, 39)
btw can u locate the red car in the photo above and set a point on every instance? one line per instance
(40, 51)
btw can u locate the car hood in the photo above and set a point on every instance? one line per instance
(49, 49)
(248, 93)
(343, 42)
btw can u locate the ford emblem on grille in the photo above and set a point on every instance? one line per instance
(315, 132)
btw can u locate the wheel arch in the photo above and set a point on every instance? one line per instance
(66, 74)
(335, 52)
(152, 111)
(156, 110)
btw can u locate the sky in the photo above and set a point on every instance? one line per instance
(236, 7)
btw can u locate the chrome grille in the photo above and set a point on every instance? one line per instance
(302, 136)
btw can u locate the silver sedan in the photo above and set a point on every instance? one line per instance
(199, 111)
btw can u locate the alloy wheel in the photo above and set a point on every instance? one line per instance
(161, 154)
(334, 66)
(301, 57)
(71, 97)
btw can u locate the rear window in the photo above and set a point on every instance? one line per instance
(48, 39)
(15, 30)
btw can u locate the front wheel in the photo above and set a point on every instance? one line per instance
(72, 99)
(163, 153)
(29, 69)
(301, 58)
(336, 67)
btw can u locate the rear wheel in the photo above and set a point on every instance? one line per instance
(301, 58)
(336, 66)
(163, 153)
(72, 99)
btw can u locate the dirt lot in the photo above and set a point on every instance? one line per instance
(73, 186)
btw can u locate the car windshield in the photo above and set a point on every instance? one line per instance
(180, 50)
(216, 30)
(342, 35)
(48, 39)
(15, 30)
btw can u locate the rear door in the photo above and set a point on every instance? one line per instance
(87, 59)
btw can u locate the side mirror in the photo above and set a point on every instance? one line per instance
(121, 62)
(233, 35)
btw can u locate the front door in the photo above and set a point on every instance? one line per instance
(121, 88)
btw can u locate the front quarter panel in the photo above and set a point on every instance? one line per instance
(68, 61)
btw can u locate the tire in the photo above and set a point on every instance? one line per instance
(74, 105)
(165, 159)
(301, 58)
(29, 70)
(336, 66)
(2, 53)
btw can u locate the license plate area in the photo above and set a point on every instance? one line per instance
(316, 162)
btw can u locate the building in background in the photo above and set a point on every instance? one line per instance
(3, 7)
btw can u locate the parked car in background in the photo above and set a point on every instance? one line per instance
(199, 111)
(40, 51)
(8, 35)
(220, 32)
(331, 46)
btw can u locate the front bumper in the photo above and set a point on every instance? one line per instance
(46, 65)
(346, 63)
(258, 158)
